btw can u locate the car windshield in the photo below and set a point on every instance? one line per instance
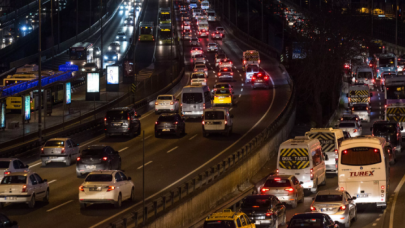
(166, 118)
(92, 152)
(14, 180)
(167, 98)
(277, 182)
(219, 224)
(222, 91)
(99, 178)
(328, 198)
(360, 108)
(192, 98)
(222, 86)
(306, 223)
(384, 128)
(55, 143)
(364, 75)
(117, 115)
(347, 125)
(214, 115)
(360, 156)
(4, 164)
(255, 201)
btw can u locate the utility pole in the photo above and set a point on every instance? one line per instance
(39, 74)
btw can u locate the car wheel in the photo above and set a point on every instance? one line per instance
(43, 163)
(68, 161)
(83, 205)
(31, 204)
(294, 204)
(315, 187)
(118, 203)
(132, 195)
(78, 174)
(46, 198)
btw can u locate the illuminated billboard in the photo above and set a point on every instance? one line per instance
(113, 75)
(27, 107)
(2, 115)
(93, 82)
(68, 93)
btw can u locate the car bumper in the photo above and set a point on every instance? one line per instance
(341, 218)
(212, 49)
(54, 158)
(15, 198)
(198, 83)
(215, 130)
(165, 108)
(222, 102)
(225, 77)
(195, 114)
(103, 197)
(264, 222)
(118, 131)
(262, 85)
(290, 199)
(308, 185)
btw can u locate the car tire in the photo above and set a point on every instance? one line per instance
(31, 204)
(83, 205)
(132, 195)
(46, 198)
(315, 187)
(118, 203)
(43, 163)
(68, 161)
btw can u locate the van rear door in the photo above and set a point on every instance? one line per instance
(328, 144)
(193, 103)
(294, 161)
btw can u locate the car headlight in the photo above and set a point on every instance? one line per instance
(105, 57)
(83, 69)
(115, 57)
(118, 48)
(121, 7)
(109, 48)
(93, 69)
(24, 28)
(125, 37)
(97, 53)
(30, 28)
(160, 42)
(118, 37)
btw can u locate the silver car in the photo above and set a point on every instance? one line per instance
(199, 58)
(11, 165)
(339, 205)
(287, 188)
(212, 47)
(59, 150)
(352, 127)
(195, 42)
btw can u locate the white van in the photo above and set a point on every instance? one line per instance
(364, 169)
(365, 75)
(211, 15)
(303, 158)
(194, 99)
(330, 140)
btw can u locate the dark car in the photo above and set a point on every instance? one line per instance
(97, 158)
(312, 220)
(121, 36)
(170, 124)
(123, 121)
(265, 210)
(260, 80)
(6, 222)
(391, 131)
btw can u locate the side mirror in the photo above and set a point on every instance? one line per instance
(45, 180)
(129, 178)
(353, 198)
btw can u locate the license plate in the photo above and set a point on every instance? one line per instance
(10, 198)
(117, 124)
(259, 80)
(90, 167)
(257, 222)
(53, 157)
(166, 130)
(95, 189)
(365, 195)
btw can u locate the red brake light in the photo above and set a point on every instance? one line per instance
(313, 208)
(382, 187)
(156, 103)
(81, 188)
(24, 188)
(277, 179)
(7, 173)
(336, 151)
(376, 150)
(355, 130)
(277, 171)
(42, 150)
(266, 78)
(171, 103)
(289, 189)
(265, 189)
(342, 208)
(176, 123)
(78, 159)
(105, 158)
(63, 151)
(253, 78)
(255, 206)
(345, 151)
(260, 74)
(268, 214)
(105, 119)
(311, 173)
(203, 122)
(110, 188)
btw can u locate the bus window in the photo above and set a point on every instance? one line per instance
(360, 156)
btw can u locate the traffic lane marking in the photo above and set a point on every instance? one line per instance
(122, 149)
(147, 163)
(396, 191)
(50, 182)
(172, 149)
(193, 137)
(59, 206)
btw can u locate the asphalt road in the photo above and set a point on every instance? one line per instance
(170, 160)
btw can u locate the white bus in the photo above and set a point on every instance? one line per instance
(81, 53)
(364, 170)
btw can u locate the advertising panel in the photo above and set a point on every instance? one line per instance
(113, 75)
(2, 115)
(27, 107)
(68, 93)
(93, 83)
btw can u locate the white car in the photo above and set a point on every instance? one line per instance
(114, 46)
(166, 103)
(90, 67)
(199, 58)
(362, 110)
(195, 42)
(11, 165)
(221, 30)
(216, 35)
(196, 51)
(198, 78)
(188, 35)
(217, 120)
(219, 57)
(225, 63)
(212, 47)
(107, 186)
(23, 187)
(349, 117)
(60, 150)
(205, 5)
(186, 25)
(339, 205)
(201, 67)
(352, 127)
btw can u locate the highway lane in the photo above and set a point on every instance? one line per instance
(192, 151)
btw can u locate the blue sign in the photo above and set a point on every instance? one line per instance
(68, 93)
(68, 67)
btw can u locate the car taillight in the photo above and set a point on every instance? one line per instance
(382, 187)
(253, 78)
(110, 188)
(171, 103)
(81, 188)
(156, 103)
(355, 130)
(78, 159)
(277, 171)
(372, 80)
(105, 119)
(105, 158)
(63, 151)
(7, 173)
(244, 61)
(176, 123)
(313, 208)
(312, 174)
(24, 188)
(219, 74)
(266, 78)
(226, 122)
(289, 189)
(342, 208)
(203, 106)
(203, 122)
(42, 150)
(264, 189)
(259, 61)
(268, 214)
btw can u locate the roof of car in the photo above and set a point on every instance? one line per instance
(330, 192)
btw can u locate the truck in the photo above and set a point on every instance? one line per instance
(395, 112)
(359, 94)
(250, 57)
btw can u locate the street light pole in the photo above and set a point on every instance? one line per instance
(77, 18)
(39, 74)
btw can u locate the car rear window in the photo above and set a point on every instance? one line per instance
(164, 97)
(192, 98)
(222, 91)
(222, 86)
(307, 223)
(360, 156)
(359, 108)
(347, 125)
(55, 143)
(277, 182)
(4, 164)
(214, 115)
(166, 118)
(14, 180)
(98, 178)
(328, 198)
(219, 224)
(220, 29)
(384, 128)
(197, 76)
(255, 201)
(92, 152)
(117, 115)
(364, 75)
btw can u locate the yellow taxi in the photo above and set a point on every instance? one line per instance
(228, 219)
(222, 97)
